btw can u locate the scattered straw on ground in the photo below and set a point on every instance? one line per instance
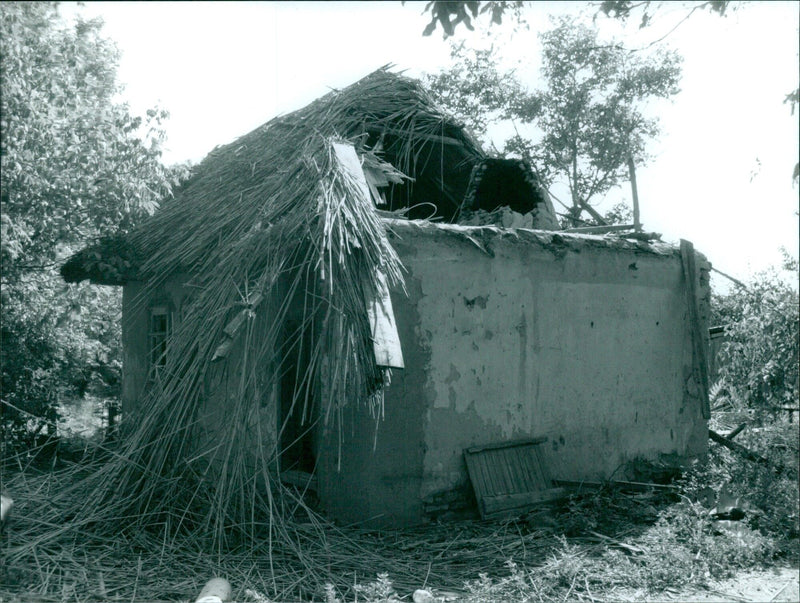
(311, 553)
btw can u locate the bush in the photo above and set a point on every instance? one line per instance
(32, 384)
(771, 493)
(59, 343)
(759, 361)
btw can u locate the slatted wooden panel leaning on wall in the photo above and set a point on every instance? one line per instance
(509, 477)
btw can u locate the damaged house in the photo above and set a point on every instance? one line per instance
(326, 300)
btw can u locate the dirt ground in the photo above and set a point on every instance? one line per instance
(777, 585)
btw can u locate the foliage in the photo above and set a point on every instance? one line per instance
(647, 10)
(379, 590)
(770, 494)
(792, 99)
(32, 384)
(59, 343)
(76, 165)
(589, 112)
(449, 14)
(475, 90)
(759, 360)
(624, 9)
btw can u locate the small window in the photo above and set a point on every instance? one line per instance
(158, 334)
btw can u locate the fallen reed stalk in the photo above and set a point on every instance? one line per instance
(306, 554)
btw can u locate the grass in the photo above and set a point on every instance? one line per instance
(590, 546)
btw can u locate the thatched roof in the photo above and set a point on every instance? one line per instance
(388, 117)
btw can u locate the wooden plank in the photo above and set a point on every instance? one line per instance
(509, 444)
(530, 470)
(525, 457)
(518, 465)
(736, 431)
(536, 470)
(738, 449)
(512, 504)
(385, 338)
(483, 477)
(600, 229)
(474, 476)
(420, 136)
(699, 358)
(634, 193)
(349, 161)
(637, 486)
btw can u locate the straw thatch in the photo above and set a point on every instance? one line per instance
(271, 220)
(267, 173)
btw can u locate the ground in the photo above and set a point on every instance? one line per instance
(778, 585)
(613, 544)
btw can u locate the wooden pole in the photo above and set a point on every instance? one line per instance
(599, 229)
(699, 352)
(736, 431)
(637, 224)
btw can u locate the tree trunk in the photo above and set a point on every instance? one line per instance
(637, 225)
(576, 202)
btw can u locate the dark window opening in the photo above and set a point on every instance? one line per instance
(159, 331)
(440, 168)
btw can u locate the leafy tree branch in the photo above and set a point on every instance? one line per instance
(589, 110)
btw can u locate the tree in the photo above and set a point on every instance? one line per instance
(648, 9)
(593, 131)
(759, 361)
(76, 165)
(476, 91)
(449, 14)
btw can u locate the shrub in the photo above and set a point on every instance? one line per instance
(759, 361)
(58, 344)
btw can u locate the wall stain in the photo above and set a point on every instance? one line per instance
(453, 376)
(480, 300)
(522, 329)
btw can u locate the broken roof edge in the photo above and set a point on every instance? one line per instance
(544, 238)
(112, 261)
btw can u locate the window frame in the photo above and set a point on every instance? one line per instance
(159, 335)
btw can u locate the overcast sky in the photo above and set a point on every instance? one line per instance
(721, 175)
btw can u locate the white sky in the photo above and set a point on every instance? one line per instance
(721, 176)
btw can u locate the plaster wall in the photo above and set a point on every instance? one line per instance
(584, 340)
(135, 353)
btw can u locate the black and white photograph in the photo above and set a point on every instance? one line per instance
(400, 301)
